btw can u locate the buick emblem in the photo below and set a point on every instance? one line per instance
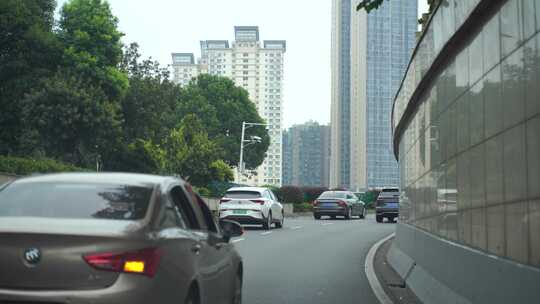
(32, 256)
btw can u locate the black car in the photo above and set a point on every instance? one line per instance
(387, 205)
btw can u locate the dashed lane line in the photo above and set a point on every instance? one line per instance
(237, 240)
(296, 227)
(326, 224)
(266, 233)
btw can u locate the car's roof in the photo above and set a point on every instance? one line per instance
(254, 189)
(113, 178)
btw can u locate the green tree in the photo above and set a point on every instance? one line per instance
(68, 119)
(369, 5)
(92, 47)
(191, 154)
(151, 98)
(28, 51)
(223, 107)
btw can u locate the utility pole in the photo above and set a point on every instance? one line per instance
(252, 140)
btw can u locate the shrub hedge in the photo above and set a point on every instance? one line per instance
(25, 166)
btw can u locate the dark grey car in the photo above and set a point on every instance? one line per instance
(338, 203)
(113, 238)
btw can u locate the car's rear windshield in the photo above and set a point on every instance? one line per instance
(388, 199)
(75, 201)
(243, 194)
(333, 195)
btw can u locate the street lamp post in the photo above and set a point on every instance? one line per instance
(250, 141)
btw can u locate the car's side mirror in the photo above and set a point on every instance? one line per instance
(230, 229)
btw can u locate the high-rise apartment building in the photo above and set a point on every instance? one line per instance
(370, 53)
(258, 68)
(306, 155)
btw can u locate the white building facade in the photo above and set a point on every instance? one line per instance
(258, 68)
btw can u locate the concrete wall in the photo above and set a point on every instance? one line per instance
(440, 271)
(466, 121)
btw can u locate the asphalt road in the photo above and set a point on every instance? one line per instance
(309, 261)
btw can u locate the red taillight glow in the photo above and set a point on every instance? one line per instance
(261, 202)
(342, 203)
(224, 200)
(143, 261)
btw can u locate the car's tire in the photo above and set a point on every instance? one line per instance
(317, 216)
(280, 223)
(363, 214)
(268, 224)
(379, 219)
(237, 299)
(348, 215)
(192, 297)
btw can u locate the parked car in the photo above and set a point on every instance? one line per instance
(252, 205)
(338, 203)
(113, 238)
(387, 205)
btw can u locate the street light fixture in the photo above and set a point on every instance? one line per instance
(246, 142)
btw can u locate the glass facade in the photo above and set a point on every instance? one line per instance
(469, 147)
(390, 41)
(344, 71)
(306, 155)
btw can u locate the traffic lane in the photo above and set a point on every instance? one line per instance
(321, 262)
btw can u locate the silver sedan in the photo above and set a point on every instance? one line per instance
(113, 238)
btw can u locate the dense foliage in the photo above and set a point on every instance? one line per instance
(312, 193)
(25, 166)
(73, 93)
(292, 195)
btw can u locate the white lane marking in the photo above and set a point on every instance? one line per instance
(372, 277)
(296, 227)
(237, 240)
(266, 233)
(326, 224)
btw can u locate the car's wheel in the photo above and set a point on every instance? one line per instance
(193, 296)
(281, 222)
(238, 290)
(379, 219)
(268, 224)
(363, 214)
(348, 215)
(317, 216)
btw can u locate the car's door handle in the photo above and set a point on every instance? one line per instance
(196, 248)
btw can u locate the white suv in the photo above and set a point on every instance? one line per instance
(252, 205)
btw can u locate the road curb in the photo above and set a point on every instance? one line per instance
(376, 286)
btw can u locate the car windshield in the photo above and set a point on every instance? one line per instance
(75, 201)
(243, 194)
(333, 195)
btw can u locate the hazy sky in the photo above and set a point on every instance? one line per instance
(165, 26)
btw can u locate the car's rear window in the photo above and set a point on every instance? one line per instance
(75, 201)
(243, 194)
(333, 195)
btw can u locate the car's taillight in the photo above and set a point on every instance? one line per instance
(380, 203)
(224, 200)
(315, 202)
(143, 261)
(342, 203)
(257, 201)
